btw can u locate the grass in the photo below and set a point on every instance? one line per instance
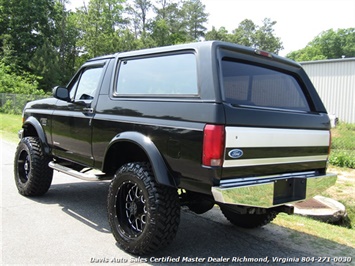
(342, 159)
(338, 234)
(343, 136)
(343, 146)
(9, 126)
(343, 191)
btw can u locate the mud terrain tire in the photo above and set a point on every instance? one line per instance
(143, 215)
(33, 176)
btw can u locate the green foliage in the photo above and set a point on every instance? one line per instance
(343, 146)
(221, 34)
(329, 44)
(18, 84)
(39, 39)
(44, 44)
(65, 38)
(27, 25)
(309, 53)
(249, 34)
(97, 24)
(168, 26)
(194, 19)
(342, 159)
(45, 63)
(138, 11)
(245, 33)
(14, 103)
(265, 38)
(24, 85)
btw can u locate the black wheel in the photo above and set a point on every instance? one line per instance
(33, 176)
(248, 220)
(143, 215)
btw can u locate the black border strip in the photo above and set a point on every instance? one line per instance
(277, 152)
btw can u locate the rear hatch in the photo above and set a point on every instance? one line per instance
(275, 121)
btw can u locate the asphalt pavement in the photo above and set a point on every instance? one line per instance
(68, 225)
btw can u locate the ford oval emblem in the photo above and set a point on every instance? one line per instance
(235, 154)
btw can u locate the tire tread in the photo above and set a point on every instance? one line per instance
(165, 210)
(40, 176)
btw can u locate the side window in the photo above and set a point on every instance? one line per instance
(163, 75)
(84, 88)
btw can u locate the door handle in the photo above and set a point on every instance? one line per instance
(88, 110)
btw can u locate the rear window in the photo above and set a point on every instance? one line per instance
(169, 75)
(252, 85)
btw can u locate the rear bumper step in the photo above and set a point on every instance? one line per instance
(271, 191)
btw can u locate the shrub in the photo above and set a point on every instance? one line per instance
(14, 103)
(18, 84)
(343, 146)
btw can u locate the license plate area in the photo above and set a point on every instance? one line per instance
(289, 190)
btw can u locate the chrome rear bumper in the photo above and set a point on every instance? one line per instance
(271, 191)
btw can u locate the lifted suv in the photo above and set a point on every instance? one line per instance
(195, 125)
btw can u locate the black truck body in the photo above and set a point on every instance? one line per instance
(222, 123)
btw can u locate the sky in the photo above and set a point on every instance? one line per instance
(298, 21)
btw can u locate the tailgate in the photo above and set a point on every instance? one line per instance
(265, 167)
(277, 134)
(272, 149)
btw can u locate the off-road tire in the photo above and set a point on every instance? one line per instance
(248, 220)
(143, 215)
(33, 176)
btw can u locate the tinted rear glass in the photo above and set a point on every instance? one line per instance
(252, 85)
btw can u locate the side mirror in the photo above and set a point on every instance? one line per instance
(61, 93)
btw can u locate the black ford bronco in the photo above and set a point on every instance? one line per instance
(190, 125)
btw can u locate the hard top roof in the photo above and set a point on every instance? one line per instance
(212, 45)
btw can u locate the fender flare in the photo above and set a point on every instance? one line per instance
(40, 132)
(159, 166)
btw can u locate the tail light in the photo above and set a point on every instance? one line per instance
(213, 145)
(263, 53)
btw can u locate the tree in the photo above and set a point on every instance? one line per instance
(329, 44)
(249, 34)
(308, 53)
(4, 22)
(98, 23)
(161, 32)
(194, 18)
(19, 84)
(45, 63)
(259, 37)
(221, 34)
(265, 38)
(168, 26)
(25, 24)
(245, 33)
(66, 38)
(138, 10)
